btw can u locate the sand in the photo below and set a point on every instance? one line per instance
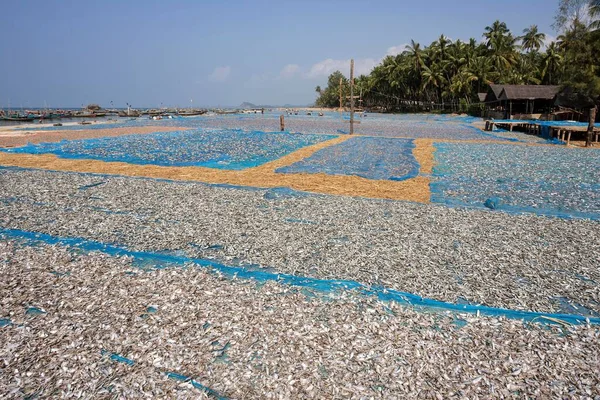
(416, 189)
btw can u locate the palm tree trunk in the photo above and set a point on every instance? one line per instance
(590, 130)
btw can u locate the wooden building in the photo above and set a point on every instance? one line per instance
(516, 101)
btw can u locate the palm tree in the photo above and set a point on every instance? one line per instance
(461, 85)
(532, 39)
(433, 77)
(442, 43)
(496, 29)
(551, 63)
(502, 53)
(482, 68)
(416, 53)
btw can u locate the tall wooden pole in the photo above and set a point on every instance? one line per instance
(590, 129)
(352, 96)
(341, 101)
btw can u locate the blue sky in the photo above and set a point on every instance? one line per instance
(68, 53)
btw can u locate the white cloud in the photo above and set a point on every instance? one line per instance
(326, 67)
(289, 71)
(395, 50)
(220, 74)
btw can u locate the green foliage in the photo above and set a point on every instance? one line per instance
(330, 96)
(447, 75)
(581, 74)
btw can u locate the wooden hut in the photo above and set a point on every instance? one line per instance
(493, 95)
(515, 101)
(528, 99)
(494, 107)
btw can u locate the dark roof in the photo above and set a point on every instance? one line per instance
(493, 94)
(496, 90)
(482, 96)
(528, 92)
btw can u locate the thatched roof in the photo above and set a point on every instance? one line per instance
(496, 90)
(528, 92)
(493, 94)
(482, 96)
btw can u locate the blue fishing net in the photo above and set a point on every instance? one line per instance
(367, 157)
(323, 286)
(221, 149)
(387, 125)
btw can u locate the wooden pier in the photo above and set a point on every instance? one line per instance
(561, 132)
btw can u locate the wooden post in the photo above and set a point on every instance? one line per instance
(568, 138)
(352, 96)
(590, 129)
(282, 123)
(341, 82)
(510, 110)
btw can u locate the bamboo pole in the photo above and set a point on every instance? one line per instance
(352, 96)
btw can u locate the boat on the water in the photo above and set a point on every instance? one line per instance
(17, 118)
(130, 113)
(88, 115)
(191, 113)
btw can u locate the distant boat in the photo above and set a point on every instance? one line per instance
(18, 117)
(22, 119)
(131, 113)
(191, 113)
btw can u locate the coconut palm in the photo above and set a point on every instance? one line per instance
(461, 85)
(502, 53)
(482, 68)
(416, 53)
(496, 29)
(433, 77)
(532, 38)
(455, 71)
(552, 62)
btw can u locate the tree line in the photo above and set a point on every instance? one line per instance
(447, 75)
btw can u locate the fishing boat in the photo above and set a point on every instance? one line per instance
(17, 118)
(191, 113)
(20, 117)
(130, 113)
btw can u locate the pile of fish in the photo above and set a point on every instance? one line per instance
(222, 148)
(92, 326)
(523, 262)
(553, 180)
(367, 157)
